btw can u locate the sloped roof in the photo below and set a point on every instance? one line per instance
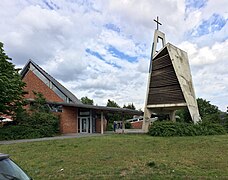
(100, 108)
(76, 103)
(65, 91)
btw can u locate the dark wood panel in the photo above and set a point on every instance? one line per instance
(163, 77)
(161, 62)
(164, 86)
(165, 95)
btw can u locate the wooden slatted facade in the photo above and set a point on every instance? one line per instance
(164, 86)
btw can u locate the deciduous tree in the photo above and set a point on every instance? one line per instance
(111, 116)
(208, 112)
(129, 106)
(86, 100)
(11, 86)
(112, 104)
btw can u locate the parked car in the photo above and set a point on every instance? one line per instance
(9, 170)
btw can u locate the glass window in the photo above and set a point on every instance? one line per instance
(9, 170)
(39, 75)
(59, 93)
(56, 108)
(49, 84)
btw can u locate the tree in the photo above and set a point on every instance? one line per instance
(129, 106)
(86, 100)
(205, 108)
(39, 104)
(112, 104)
(184, 115)
(38, 121)
(110, 116)
(11, 86)
(207, 111)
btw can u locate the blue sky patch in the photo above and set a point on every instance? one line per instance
(112, 27)
(96, 54)
(87, 5)
(214, 23)
(118, 54)
(114, 65)
(194, 4)
(51, 5)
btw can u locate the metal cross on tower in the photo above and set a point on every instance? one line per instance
(157, 21)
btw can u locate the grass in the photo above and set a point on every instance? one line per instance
(124, 156)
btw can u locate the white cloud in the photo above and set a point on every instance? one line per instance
(57, 35)
(217, 53)
(209, 71)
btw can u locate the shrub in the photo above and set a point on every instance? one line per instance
(127, 125)
(185, 129)
(46, 122)
(226, 126)
(213, 118)
(36, 125)
(110, 127)
(18, 132)
(224, 121)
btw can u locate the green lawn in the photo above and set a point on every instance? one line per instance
(124, 156)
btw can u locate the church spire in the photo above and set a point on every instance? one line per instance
(158, 35)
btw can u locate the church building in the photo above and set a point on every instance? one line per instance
(75, 117)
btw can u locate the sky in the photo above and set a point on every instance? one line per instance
(101, 49)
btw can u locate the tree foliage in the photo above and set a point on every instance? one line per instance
(129, 106)
(206, 108)
(113, 116)
(86, 100)
(168, 128)
(112, 104)
(184, 115)
(208, 112)
(118, 117)
(11, 85)
(39, 105)
(36, 123)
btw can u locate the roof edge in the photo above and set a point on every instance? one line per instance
(64, 90)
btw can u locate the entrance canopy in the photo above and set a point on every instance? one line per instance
(90, 118)
(100, 108)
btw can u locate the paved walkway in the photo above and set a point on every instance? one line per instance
(130, 131)
(65, 136)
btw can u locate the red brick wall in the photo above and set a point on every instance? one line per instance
(69, 120)
(137, 125)
(33, 83)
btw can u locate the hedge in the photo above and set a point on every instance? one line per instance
(165, 128)
(36, 125)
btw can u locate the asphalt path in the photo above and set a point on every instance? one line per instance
(65, 136)
(74, 135)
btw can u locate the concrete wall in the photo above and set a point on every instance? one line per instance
(180, 64)
(182, 68)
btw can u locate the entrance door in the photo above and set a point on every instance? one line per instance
(84, 125)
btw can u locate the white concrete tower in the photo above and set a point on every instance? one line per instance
(170, 84)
